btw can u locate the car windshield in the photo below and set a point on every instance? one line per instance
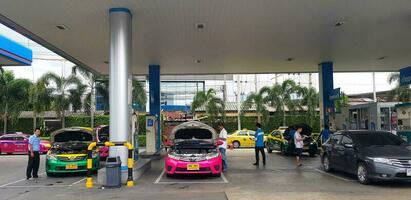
(372, 139)
(68, 136)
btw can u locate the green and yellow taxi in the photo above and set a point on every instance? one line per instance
(68, 151)
(280, 141)
(242, 138)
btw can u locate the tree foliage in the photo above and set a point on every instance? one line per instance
(61, 94)
(139, 94)
(13, 95)
(398, 93)
(214, 106)
(260, 101)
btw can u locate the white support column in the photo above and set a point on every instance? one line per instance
(120, 58)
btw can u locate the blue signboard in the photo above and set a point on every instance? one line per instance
(335, 94)
(405, 76)
(150, 122)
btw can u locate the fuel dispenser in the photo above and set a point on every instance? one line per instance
(151, 134)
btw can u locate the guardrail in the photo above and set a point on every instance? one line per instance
(89, 181)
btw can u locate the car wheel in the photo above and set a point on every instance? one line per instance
(362, 174)
(269, 150)
(312, 152)
(236, 144)
(283, 150)
(326, 163)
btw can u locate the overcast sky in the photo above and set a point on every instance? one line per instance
(45, 60)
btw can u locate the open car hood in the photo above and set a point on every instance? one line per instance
(193, 130)
(73, 134)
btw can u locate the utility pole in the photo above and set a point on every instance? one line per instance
(255, 83)
(225, 89)
(373, 87)
(310, 80)
(238, 103)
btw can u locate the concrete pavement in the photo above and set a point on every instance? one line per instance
(279, 179)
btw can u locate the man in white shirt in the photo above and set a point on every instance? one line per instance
(299, 144)
(223, 147)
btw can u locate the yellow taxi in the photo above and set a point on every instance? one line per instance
(242, 138)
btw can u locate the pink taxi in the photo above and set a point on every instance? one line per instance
(194, 150)
(18, 143)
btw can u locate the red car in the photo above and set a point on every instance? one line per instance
(103, 135)
(19, 143)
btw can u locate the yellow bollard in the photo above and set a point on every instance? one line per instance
(89, 183)
(130, 183)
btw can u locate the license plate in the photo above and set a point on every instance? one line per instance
(71, 166)
(193, 167)
(408, 172)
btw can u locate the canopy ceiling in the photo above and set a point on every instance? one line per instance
(240, 36)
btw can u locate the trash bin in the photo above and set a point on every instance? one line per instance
(113, 172)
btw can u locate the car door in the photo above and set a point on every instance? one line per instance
(7, 144)
(243, 138)
(339, 153)
(251, 138)
(276, 140)
(21, 144)
(349, 157)
(331, 151)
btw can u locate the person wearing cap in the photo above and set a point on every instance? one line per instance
(299, 144)
(259, 144)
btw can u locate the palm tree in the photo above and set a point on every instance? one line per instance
(40, 99)
(260, 101)
(60, 87)
(102, 88)
(75, 97)
(341, 102)
(90, 86)
(139, 94)
(139, 97)
(310, 99)
(280, 96)
(13, 94)
(399, 93)
(214, 106)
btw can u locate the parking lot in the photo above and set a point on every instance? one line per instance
(279, 179)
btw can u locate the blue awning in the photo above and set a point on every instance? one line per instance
(13, 53)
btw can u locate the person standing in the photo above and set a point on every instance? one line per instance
(223, 147)
(299, 144)
(259, 144)
(325, 134)
(34, 155)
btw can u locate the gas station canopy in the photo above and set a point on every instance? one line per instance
(14, 54)
(230, 36)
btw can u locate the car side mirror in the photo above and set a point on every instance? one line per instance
(348, 145)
